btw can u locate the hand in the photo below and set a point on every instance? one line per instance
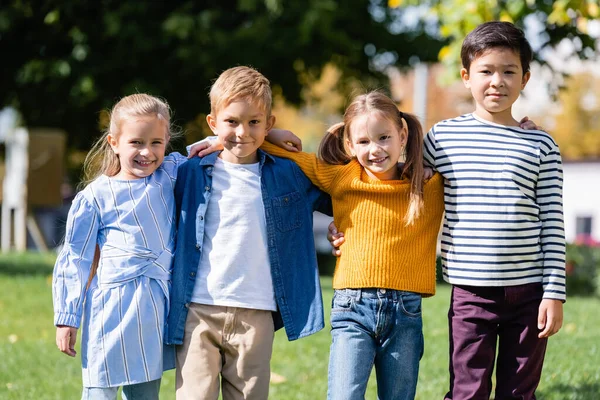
(335, 238)
(427, 173)
(285, 139)
(204, 147)
(550, 317)
(65, 339)
(526, 123)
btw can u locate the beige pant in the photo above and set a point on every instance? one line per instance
(234, 342)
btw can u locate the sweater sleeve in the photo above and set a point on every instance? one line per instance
(73, 265)
(552, 236)
(320, 173)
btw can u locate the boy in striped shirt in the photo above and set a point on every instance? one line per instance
(503, 246)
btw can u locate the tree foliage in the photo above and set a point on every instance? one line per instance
(559, 19)
(65, 61)
(577, 125)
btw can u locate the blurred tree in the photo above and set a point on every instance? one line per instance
(577, 125)
(558, 19)
(65, 61)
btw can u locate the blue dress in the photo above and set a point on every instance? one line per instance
(122, 314)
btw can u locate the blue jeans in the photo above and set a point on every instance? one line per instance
(378, 327)
(138, 391)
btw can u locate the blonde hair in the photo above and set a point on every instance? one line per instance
(240, 83)
(334, 149)
(101, 159)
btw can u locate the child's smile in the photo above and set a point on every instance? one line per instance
(377, 144)
(140, 146)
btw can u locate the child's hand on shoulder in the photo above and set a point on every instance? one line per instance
(284, 139)
(204, 147)
(66, 336)
(526, 123)
(550, 317)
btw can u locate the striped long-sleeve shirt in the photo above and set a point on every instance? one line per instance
(122, 314)
(503, 200)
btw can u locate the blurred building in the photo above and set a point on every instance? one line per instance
(581, 199)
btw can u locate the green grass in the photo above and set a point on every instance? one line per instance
(32, 368)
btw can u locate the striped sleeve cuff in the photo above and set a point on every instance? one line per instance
(554, 292)
(67, 319)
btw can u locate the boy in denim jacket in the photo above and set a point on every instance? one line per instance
(245, 261)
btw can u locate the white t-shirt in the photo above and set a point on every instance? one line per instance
(234, 269)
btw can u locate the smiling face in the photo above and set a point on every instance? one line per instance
(140, 146)
(242, 127)
(377, 144)
(495, 79)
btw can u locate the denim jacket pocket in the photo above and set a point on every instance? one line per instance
(288, 211)
(410, 304)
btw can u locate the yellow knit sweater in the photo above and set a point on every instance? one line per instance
(379, 250)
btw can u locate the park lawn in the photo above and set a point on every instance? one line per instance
(32, 368)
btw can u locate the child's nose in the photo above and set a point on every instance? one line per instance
(374, 148)
(241, 130)
(497, 79)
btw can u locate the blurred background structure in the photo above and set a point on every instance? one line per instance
(64, 63)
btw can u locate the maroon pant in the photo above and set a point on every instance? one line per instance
(481, 318)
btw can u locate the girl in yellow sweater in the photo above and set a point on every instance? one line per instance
(390, 220)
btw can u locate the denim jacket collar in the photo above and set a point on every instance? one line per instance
(211, 159)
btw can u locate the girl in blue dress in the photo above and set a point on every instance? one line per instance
(126, 210)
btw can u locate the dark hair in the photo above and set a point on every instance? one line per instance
(495, 34)
(333, 148)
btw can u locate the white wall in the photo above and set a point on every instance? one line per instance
(581, 195)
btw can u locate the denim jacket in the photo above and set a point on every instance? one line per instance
(289, 199)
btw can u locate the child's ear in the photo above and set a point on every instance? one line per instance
(112, 141)
(525, 79)
(464, 75)
(270, 123)
(212, 123)
(350, 148)
(404, 133)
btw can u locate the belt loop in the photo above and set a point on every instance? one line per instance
(358, 294)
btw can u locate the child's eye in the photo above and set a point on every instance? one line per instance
(135, 142)
(385, 137)
(364, 141)
(230, 121)
(255, 122)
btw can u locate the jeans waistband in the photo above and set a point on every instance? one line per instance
(374, 293)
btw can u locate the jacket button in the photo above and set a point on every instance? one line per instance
(207, 188)
(201, 218)
(285, 199)
(197, 246)
(192, 274)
